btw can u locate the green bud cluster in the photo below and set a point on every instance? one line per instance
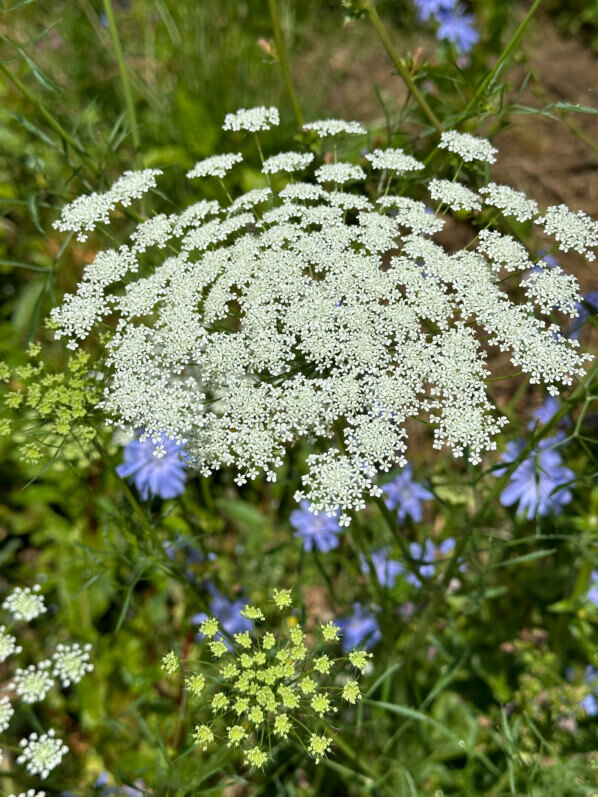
(261, 687)
(49, 411)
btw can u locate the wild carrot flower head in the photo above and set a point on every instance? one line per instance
(314, 311)
(270, 684)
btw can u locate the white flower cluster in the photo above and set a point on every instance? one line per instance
(29, 793)
(8, 644)
(86, 212)
(25, 603)
(468, 147)
(42, 754)
(511, 202)
(394, 160)
(572, 230)
(306, 322)
(70, 663)
(287, 162)
(252, 120)
(215, 166)
(335, 127)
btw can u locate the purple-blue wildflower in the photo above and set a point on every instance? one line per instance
(427, 9)
(227, 612)
(318, 532)
(593, 588)
(546, 411)
(586, 308)
(590, 703)
(387, 570)
(428, 553)
(359, 629)
(154, 475)
(539, 483)
(458, 28)
(406, 496)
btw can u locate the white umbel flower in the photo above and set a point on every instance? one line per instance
(468, 147)
(252, 120)
(511, 202)
(71, 663)
(455, 195)
(394, 160)
(215, 166)
(339, 173)
(552, 289)
(504, 251)
(42, 754)
(249, 200)
(326, 313)
(29, 793)
(287, 162)
(34, 682)
(335, 127)
(572, 229)
(8, 644)
(25, 603)
(86, 212)
(6, 712)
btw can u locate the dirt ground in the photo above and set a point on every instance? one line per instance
(553, 160)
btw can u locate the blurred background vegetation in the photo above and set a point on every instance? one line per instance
(496, 671)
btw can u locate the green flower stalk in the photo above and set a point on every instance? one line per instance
(262, 687)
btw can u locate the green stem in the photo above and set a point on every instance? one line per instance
(124, 77)
(389, 518)
(282, 60)
(503, 57)
(489, 501)
(400, 66)
(52, 122)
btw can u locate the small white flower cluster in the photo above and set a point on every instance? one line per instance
(335, 127)
(573, 230)
(252, 120)
(511, 202)
(70, 663)
(6, 712)
(306, 321)
(468, 147)
(287, 162)
(552, 289)
(29, 793)
(394, 160)
(86, 212)
(215, 165)
(455, 195)
(8, 644)
(42, 754)
(25, 603)
(34, 682)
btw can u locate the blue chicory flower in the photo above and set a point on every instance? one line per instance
(152, 475)
(427, 9)
(359, 629)
(590, 703)
(538, 485)
(387, 570)
(586, 308)
(546, 411)
(318, 532)
(428, 553)
(458, 28)
(406, 496)
(227, 612)
(593, 588)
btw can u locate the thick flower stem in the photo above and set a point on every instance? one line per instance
(282, 60)
(400, 66)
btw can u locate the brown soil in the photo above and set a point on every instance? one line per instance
(554, 160)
